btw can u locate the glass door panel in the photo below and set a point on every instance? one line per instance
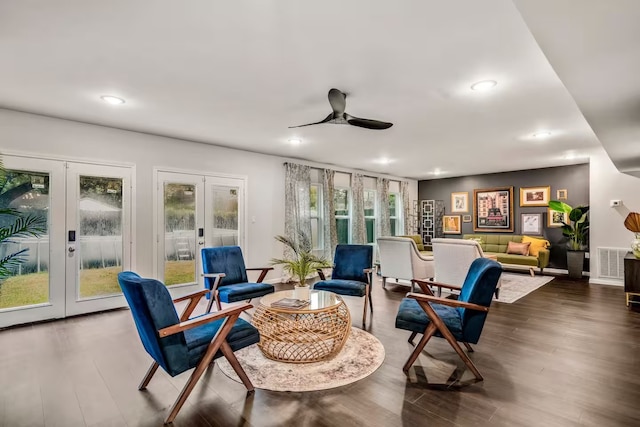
(100, 235)
(25, 204)
(225, 230)
(180, 233)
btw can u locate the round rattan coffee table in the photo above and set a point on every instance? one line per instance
(310, 334)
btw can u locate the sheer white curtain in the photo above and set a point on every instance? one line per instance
(384, 214)
(406, 209)
(358, 227)
(297, 202)
(330, 232)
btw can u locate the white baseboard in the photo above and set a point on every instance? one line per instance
(608, 282)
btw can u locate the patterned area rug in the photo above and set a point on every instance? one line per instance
(515, 286)
(361, 355)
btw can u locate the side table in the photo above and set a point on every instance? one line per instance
(631, 277)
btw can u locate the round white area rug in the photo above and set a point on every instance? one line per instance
(361, 355)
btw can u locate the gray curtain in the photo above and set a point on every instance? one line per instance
(384, 214)
(297, 202)
(406, 209)
(358, 227)
(330, 232)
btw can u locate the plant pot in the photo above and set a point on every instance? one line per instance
(575, 262)
(301, 292)
(635, 246)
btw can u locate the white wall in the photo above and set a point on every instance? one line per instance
(607, 228)
(50, 137)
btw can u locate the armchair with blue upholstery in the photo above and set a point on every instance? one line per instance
(351, 274)
(178, 344)
(226, 276)
(456, 321)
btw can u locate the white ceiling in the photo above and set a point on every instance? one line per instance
(238, 73)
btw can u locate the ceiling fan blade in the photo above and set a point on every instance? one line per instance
(367, 123)
(338, 101)
(328, 118)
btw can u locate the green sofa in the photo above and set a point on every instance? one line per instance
(496, 244)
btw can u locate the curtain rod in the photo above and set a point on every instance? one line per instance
(352, 171)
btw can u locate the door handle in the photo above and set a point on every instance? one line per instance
(71, 249)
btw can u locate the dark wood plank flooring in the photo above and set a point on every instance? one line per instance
(567, 354)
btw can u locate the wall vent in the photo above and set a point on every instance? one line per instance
(611, 262)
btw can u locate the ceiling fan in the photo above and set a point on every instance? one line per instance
(337, 100)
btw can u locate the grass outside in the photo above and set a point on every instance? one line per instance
(29, 289)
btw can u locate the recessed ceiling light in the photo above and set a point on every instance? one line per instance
(113, 100)
(543, 134)
(437, 172)
(484, 85)
(383, 161)
(295, 141)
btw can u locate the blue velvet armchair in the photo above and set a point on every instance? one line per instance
(351, 274)
(178, 344)
(226, 276)
(456, 321)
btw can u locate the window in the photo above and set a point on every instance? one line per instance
(370, 214)
(316, 212)
(342, 201)
(394, 214)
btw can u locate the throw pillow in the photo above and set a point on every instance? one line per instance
(536, 244)
(518, 248)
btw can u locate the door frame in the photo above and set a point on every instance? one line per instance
(179, 290)
(57, 308)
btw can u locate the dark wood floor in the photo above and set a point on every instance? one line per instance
(567, 354)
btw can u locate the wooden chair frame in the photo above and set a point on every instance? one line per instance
(367, 293)
(218, 342)
(218, 279)
(437, 324)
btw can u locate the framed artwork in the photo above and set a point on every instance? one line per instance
(451, 224)
(493, 210)
(466, 218)
(555, 218)
(535, 196)
(460, 202)
(531, 223)
(561, 194)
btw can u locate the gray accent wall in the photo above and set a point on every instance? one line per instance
(575, 179)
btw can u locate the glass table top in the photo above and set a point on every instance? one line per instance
(318, 300)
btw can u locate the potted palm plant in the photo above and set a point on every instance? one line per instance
(301, 261)
(576, 230)
(15, 224)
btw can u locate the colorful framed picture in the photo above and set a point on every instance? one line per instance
(561, 194)
(535, 196)
(466, 218)
(493, 210)
(531, 223)
(460, 202)
(451, 224)
(555, 218)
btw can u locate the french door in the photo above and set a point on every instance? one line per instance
(195, 211)
(71, 268)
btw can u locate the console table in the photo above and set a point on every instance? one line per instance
(631, 277)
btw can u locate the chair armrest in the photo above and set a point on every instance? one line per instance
(214, 275)
(263, 274)
(449, 302)
(193, 295)
(321, 274)
(437, 284)
(202, 320)
(193, 298)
